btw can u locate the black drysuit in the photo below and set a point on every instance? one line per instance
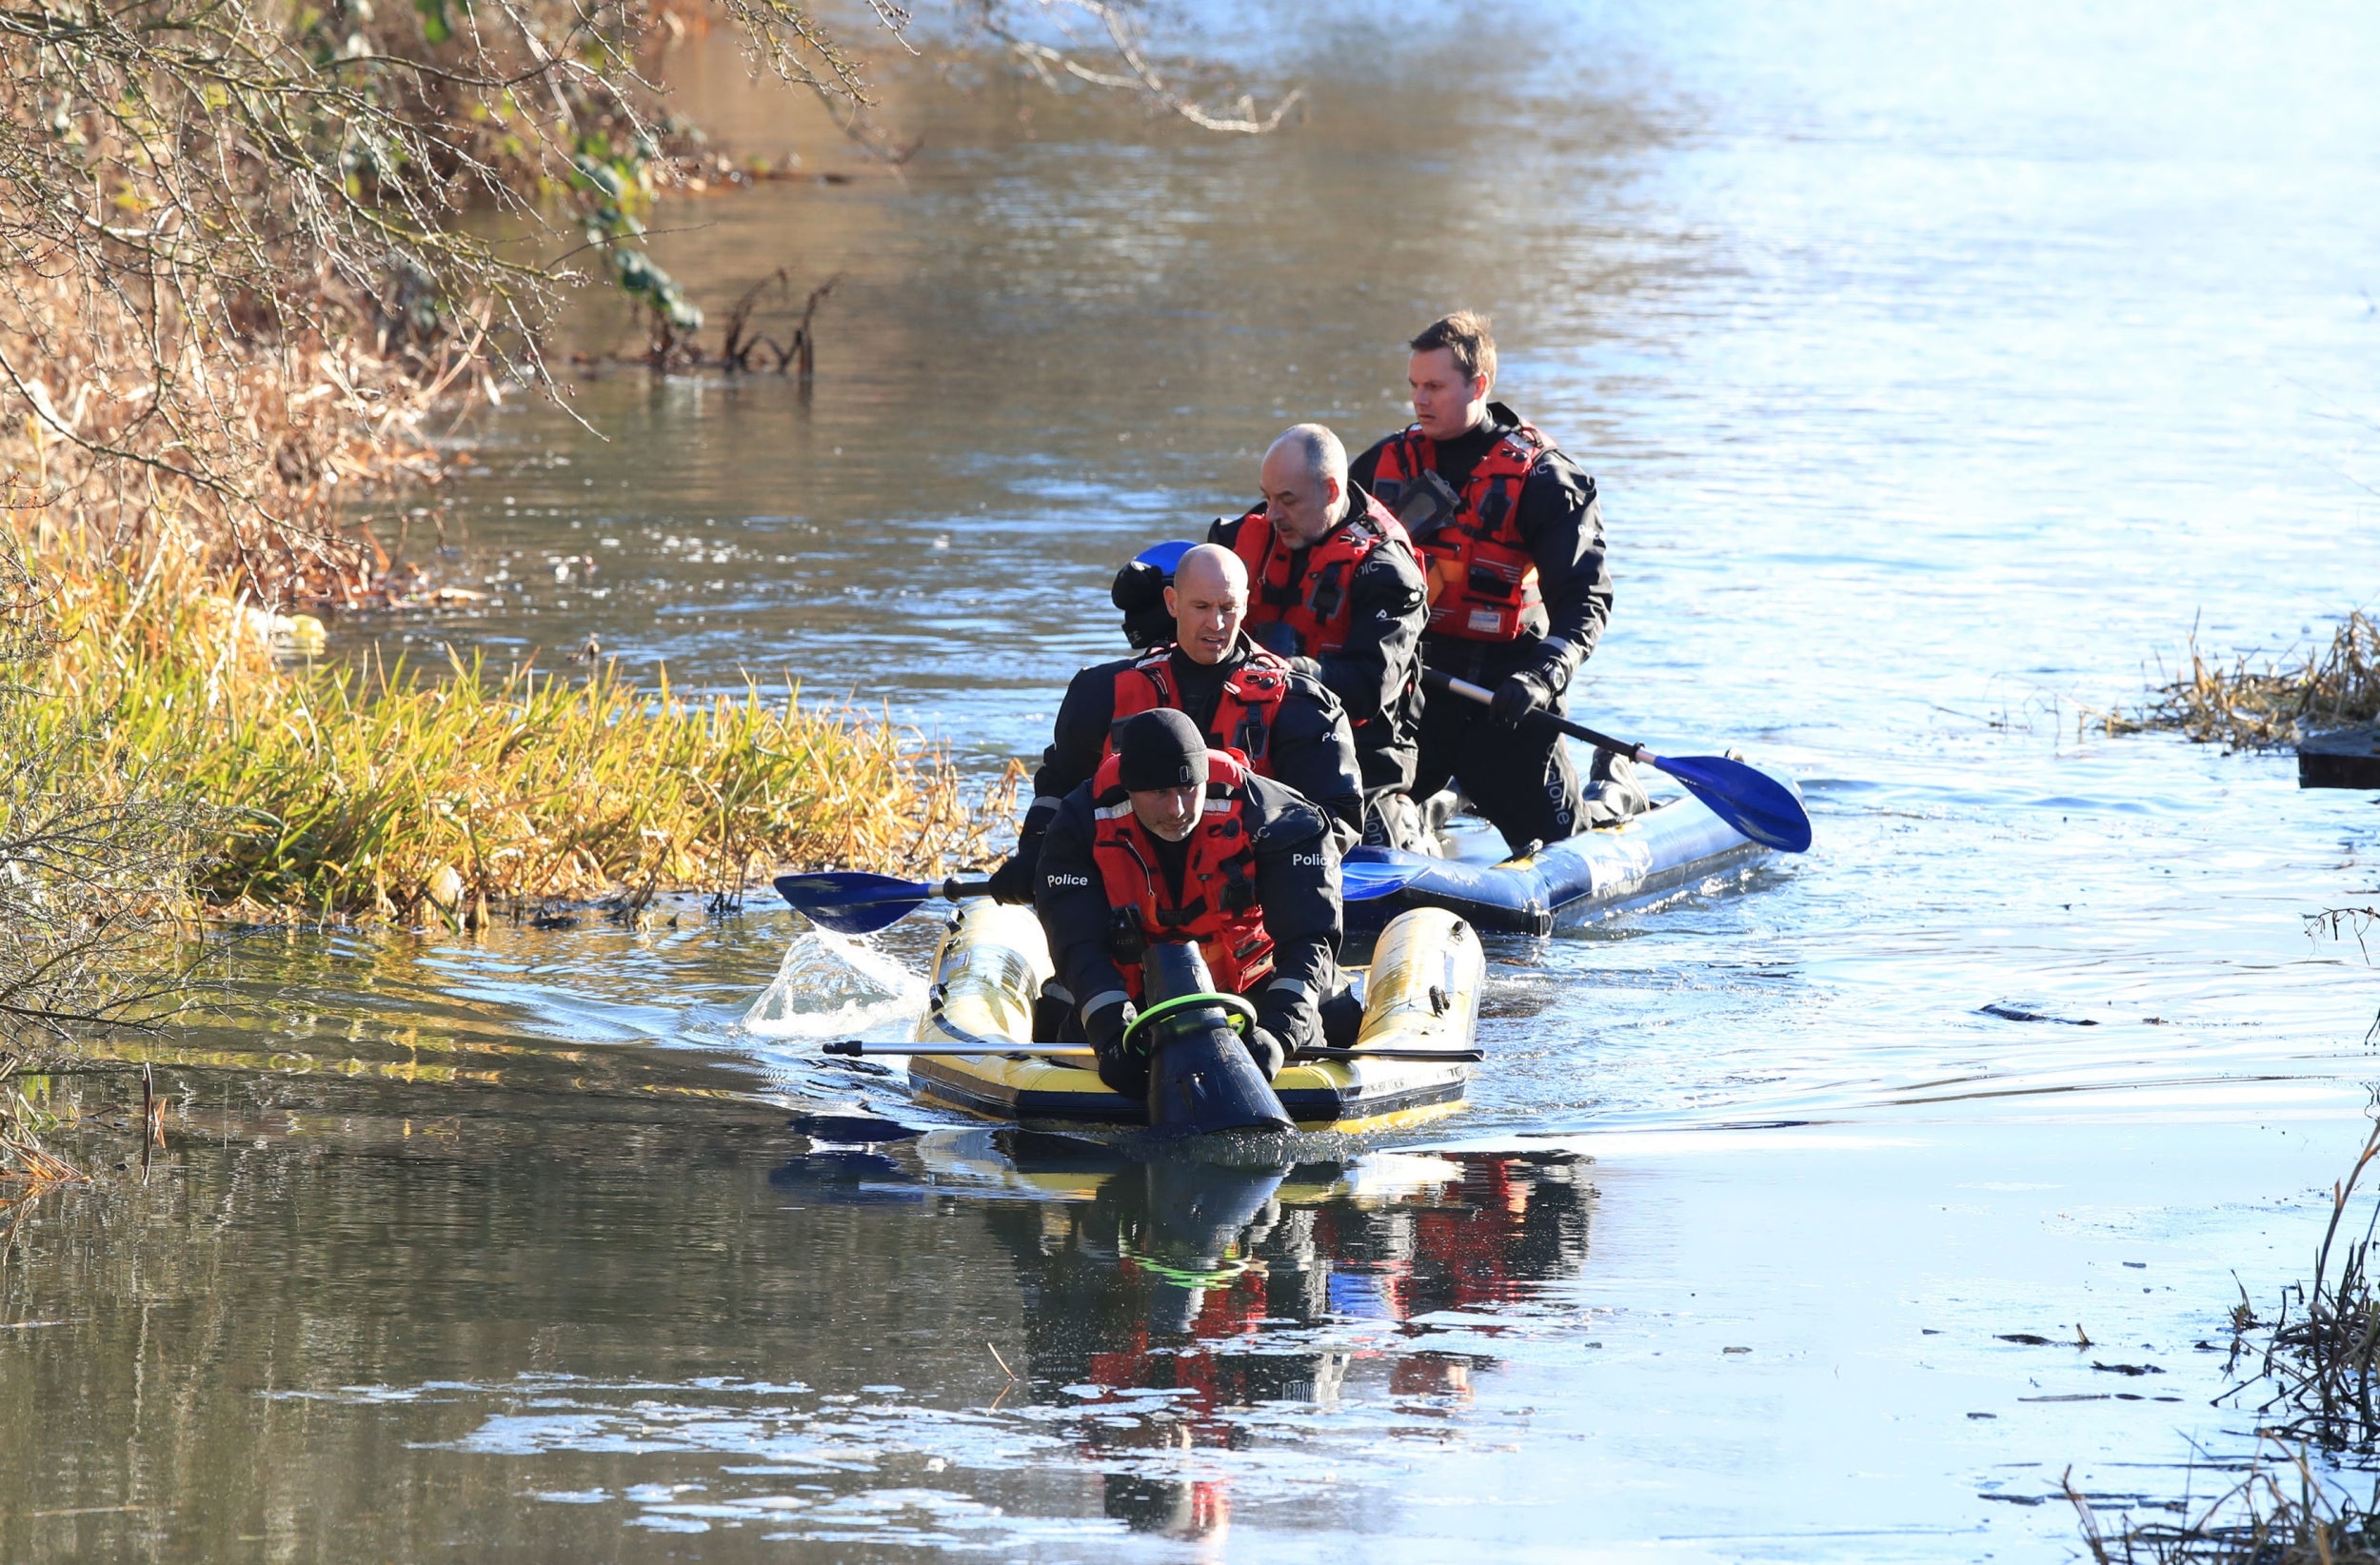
(1308, 748)
(1520, 777)
(1296, 891)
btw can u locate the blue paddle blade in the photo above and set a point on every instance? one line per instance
(852, 901)
(1744, 797)
(1360, 879)
(1163, 556)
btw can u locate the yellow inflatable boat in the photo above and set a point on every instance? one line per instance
(1421, 1001)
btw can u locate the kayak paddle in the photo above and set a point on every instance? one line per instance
(853, 902)
(1743, 796)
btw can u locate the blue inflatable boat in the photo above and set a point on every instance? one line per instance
(1676, 843)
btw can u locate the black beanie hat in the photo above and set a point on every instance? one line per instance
(1161, 749)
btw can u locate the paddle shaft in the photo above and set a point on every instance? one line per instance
(853, 1048)
(1432, 679)
(1458, 1055)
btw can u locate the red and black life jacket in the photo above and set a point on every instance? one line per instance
(1217, 907)
(1483, 583)
(1244, 709)
(1319, 605)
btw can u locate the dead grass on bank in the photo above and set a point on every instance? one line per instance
(341, 793)
(451, 794)
(252, 493)
(2258, 708)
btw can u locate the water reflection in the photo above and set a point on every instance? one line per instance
(358, 1323)
(1175, 1298)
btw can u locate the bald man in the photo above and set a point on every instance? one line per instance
(1337, 589)
(1287, 724)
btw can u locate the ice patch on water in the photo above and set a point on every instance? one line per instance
(830, 985)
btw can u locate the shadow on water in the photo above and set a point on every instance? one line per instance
(369, 1325)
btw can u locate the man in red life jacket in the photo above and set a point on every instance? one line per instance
(1511, 539)
(1174, 841)
(1334, 586)
(1284, 724)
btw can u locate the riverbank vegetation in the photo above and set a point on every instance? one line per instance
(2244, 705)
(238, 293)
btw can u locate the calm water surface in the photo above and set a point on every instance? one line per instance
(1939, 372)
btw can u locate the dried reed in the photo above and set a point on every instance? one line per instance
(2280, 1514)
(2321, 1356)
(23, 1159)
(2247, 709)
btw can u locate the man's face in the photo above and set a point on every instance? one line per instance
(1446, 402)
(1168, 813)
(1207, 610)
(1297, 502)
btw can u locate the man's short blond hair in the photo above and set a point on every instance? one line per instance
(1464, 334)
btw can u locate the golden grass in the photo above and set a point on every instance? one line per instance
(344, 793)
(2247, 709)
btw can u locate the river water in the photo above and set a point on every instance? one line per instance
(1941, 370)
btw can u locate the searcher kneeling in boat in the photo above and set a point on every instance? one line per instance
(1285, 725)
(1336, 588)
(1510, 533)
(1174, 841)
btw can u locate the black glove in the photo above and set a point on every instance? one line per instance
(1013, 882)
(1266, 1051)
(1275, 636)
(1518, 697)
(1105, 1027)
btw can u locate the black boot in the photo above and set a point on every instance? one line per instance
(1614, 793)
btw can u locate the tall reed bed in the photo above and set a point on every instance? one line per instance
(457, 791)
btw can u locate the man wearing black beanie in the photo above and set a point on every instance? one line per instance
(1173, 842)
